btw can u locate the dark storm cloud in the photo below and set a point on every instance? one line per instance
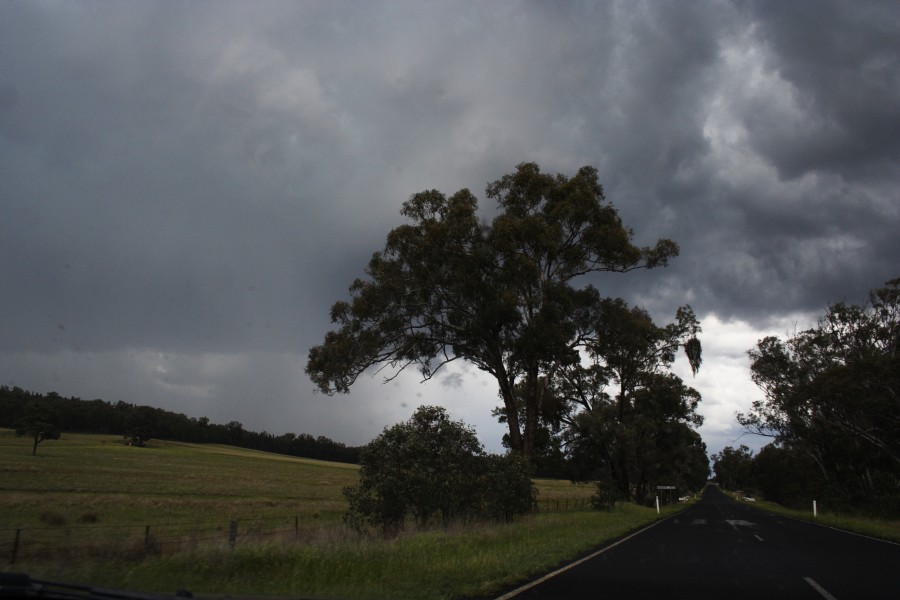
(186, 188)
(843, 61)
(149, 198)
(800, 112)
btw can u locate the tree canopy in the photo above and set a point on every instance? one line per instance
(504, 296)
(39, 422)
(832, 393)
(628, 422)
(734, 467)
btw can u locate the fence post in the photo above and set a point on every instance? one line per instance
(296, 527)
(15, 551)
(147, 537)
(232, 534)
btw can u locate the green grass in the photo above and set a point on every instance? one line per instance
(474, 560)
(163, 482)
(84, 502)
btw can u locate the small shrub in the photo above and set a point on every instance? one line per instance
(369, 508)
(505, 487)
(51, 517)
(605, 497)
(431, 467)
(88, 517)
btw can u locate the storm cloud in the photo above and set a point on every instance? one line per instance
(186, 188)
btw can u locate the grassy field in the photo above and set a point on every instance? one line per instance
(91, 509)
(98, 479)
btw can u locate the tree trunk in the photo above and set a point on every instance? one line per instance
(512, 418)
(532, 411)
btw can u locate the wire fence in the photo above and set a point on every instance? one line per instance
(67, 542)
(133, 541)
(562, 504)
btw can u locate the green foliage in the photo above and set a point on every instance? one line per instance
(40, 423)
(605, 496)
(141, 425)
(629, 422)
(650, 444)
(432, 466)
(734, 468)
(832, 393)
(502, 296)
(504, 487)
(787, 476)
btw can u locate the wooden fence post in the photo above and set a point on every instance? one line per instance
(15, 551)
(232, 534)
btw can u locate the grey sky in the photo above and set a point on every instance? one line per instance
(186, 188)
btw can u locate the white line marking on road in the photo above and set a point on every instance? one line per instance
(759, 538)
(537, 582)
(824, 593)
(739, 523)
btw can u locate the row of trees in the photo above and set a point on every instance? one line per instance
(786, 475)
(32, 413)
(832, 406)
(584, 380)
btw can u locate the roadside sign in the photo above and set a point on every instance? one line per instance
(665, 487)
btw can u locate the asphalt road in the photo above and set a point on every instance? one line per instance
(720, 548)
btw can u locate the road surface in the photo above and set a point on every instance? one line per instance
(720, 548)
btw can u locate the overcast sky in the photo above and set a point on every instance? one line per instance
(187, 187)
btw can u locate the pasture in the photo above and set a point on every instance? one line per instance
(90, 509)
(99, 479)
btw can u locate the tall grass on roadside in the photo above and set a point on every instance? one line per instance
(463, 561)
(880, 528)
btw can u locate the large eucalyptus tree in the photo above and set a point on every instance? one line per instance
(508, 296)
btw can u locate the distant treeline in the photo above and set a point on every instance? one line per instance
(141, 423)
